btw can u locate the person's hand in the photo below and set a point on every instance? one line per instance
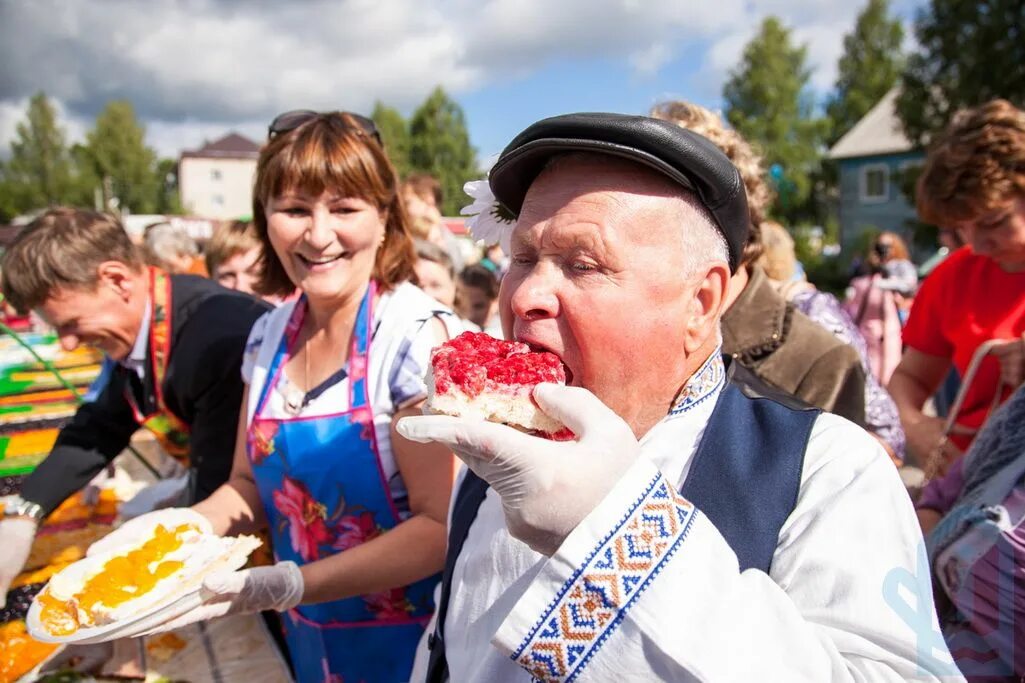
(1011, 355)
(933, 452)
(16, 536)
(547, 487)
(278, 587)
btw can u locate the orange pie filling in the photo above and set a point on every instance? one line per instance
(122, 578)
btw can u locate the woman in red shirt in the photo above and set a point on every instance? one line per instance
(974, 182)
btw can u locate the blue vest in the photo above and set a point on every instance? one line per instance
(745, 478)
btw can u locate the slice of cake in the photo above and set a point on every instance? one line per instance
(476, 375)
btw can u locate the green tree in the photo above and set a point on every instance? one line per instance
(868, 69)
(968, 53)
(168, 197)
(768, 102)
(39, 172)
(127, 168)
(440, 145)
(395, 134)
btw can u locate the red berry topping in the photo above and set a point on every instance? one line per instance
(473, 360)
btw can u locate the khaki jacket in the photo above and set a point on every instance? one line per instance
(785, 348)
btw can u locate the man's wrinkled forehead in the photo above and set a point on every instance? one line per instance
(608, 189)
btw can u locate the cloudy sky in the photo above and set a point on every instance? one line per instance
(196, 69)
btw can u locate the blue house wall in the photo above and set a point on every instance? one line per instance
(858, 214)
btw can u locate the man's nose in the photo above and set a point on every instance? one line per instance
(535, 296)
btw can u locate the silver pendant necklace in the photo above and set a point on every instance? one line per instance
(295, 398)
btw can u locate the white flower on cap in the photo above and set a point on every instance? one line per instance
(489, 221)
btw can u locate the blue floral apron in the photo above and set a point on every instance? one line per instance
(324, 491)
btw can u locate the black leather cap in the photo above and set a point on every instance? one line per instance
(684, 156)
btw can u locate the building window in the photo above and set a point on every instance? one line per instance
(215, 174)
(218, 200)
(875, 183)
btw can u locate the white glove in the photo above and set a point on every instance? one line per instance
(278, 587)
(16, 536)
(547, 487)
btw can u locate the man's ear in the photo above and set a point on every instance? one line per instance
(707, 305)
(119, 277)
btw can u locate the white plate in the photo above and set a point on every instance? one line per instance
(182, 591)
(144, 621)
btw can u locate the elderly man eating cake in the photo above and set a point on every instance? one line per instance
(698, 525)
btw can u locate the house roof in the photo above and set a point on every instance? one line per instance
(878, 132)
(231, 146)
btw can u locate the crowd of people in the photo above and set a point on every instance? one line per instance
(731, 505)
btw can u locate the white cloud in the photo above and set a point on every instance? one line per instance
(197, 68)
(648, 61)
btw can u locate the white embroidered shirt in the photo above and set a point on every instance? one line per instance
(646, 588)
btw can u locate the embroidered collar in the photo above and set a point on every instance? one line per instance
(702, 385)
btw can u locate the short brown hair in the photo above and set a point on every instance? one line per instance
(332, 151)
(476, 275)
(976, 166)
(426, 187)
(706, 123)
(229, 239)
(62, 248)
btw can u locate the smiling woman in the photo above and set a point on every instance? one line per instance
(356, 513)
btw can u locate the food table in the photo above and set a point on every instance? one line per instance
(34, 404)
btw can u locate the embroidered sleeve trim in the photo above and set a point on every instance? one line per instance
(592, 603)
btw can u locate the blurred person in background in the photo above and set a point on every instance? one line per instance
(779, 261)
(172, 249)
(495, 260)
(973, 181)
(760, 329)
(877, 300)
(435, 272)
(424, 198)
(233, 256)
(477, 298)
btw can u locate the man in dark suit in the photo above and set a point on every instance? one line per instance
(178, 341)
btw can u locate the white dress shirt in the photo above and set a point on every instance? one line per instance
(136, 360)
(646, 588)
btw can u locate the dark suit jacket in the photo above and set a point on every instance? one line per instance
(788, 350)
(203, 386)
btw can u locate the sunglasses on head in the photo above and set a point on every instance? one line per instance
(291, 120)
